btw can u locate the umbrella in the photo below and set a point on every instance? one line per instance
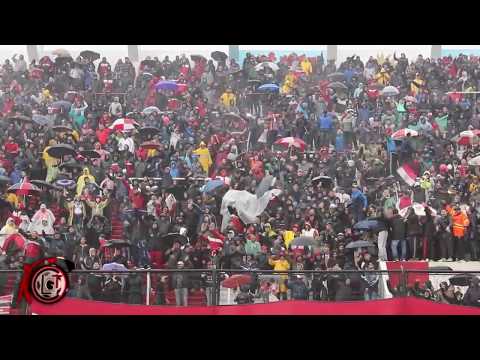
(336, 76)
(61, 53)
(218, 56)
(146, 76)
(148, 130)
(16, 240)
(474, 161)
(173, 237)
(150, 145)
(62, 128)
(211, 185)
(66, 183)
(291, 141)
(303, 241)
(65, 105)
(70, 165)
(92, 154)
(410, 99)
(390, 91)
(166, 85)
(337, 86)
(22, 118)
(402, 133)
(4, 179)
(233, 116)
(467, 137)
(267, 64)
(44, 184)
(41, 120)
(197, 58)
(323, 179)
(89, 54)
(358, 244)
(235, 281)
(149, 63)
(419, 210)
(59, 151)
(268, 88)
(124, 124)
(461, 279)
(151, 109)
(24, 187)
(59, 61)
(114, 267)
(369, 225)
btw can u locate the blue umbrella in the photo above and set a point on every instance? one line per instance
(42, 120)
(166, 85)
(114, 267)
(269, 88)
(369, 225)
(212, 185)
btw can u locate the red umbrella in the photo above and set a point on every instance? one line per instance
(235, 281)
(24, 187)
(150, 145)
(124, 124)
(291, 141)
(14, 243)
(402, 133)
(467, 137)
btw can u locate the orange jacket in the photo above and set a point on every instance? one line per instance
(460, 222)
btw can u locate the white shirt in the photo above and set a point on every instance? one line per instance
(344, 198)
(126, 144)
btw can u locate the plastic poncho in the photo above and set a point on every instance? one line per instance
(204, 157)
(81, 180)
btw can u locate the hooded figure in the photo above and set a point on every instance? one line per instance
(81, 180)
(9, 229)
(43, 220)
(204, 157)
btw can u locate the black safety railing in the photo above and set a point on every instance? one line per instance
(209, 287)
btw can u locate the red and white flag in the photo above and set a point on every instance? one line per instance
(215, 243)
(171, 203)
(407, 174)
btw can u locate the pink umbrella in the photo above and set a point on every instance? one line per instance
(291, 141)
(402, 133)
(124, 124)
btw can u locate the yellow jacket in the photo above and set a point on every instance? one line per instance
(382, 78)
(414, 88)
(288, 237)
(279, 265)
(306, 66)
(204, 158)
(81, 180)
(228, 99)
(12, 199)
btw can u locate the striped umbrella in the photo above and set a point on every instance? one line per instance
(24, 187)
(124, 124)
(402, 133)
(292, 141)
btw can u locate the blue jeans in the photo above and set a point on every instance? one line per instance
(394, 247)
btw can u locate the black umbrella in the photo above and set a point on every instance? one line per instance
(197, 58)
(59, 151)
(63, 60)
(325, 180)
(369, 225)
(92, 154)
(169, 239)
(303, 241)
(44, 184)
(149, 63)
(358, 244)
(70, 165)
(41, 120)
(148, 130)
(89, 54)
(66, 183)
(4, 179)
(22, 118)
(338, 86)
(337, 76)
(147, 76)
(219, 56)
(62, 128)
(461, 279)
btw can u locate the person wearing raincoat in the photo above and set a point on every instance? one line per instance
(81, 180)
(306, 66)
(204, 157)
(383, 77)
(50, 162)
(8, 229)
(228, 99)
(42, 220)
(288, 84)
(416, 84)
(281, 264)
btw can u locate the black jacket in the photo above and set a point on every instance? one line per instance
(397, 226)
(180, 280)
(299, 289)
(472, 296)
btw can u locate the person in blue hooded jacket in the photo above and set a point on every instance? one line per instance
(325, 125)
(359, 203)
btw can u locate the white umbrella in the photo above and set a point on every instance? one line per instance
(474, 161)
(390, 91)
(268, 64)
(402, 133)
(419, 210)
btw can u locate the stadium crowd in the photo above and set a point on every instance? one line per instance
(284, 163)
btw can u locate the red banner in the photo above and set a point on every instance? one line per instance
(396, 306)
